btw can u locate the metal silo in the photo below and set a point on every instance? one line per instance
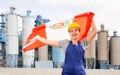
(42, 51)
(115, 49)
(43, 61)
(103, 53)
(12, 38)
(90, 55)
(2, 40)
(28, 24)
(90, 50)
(58, 57)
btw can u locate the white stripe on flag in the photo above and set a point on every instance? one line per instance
(32, 41)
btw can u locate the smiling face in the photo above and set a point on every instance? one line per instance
(74, 33)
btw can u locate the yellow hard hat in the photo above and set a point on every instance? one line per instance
(73, 25)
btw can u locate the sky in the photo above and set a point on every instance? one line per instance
(107, 12)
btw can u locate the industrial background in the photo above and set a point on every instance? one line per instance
(102, 53)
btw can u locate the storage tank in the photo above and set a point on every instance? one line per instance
(58, 57)
(90, 50)
(90, 55)
(2, 35)
(28, 25)
(103, 45)
(12, 38)
(42, 51)
(115, 49)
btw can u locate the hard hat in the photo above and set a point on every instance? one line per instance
(73, 25)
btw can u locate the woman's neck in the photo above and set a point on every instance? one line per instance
(75, 42)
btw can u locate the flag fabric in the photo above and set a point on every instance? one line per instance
(58, 31)
(84, 20)
(37, 31)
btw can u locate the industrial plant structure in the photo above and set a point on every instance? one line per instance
(102, 52)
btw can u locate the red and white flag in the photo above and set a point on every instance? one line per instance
(58, 31)
(32, 44)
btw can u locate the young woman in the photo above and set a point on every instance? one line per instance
(74, 49)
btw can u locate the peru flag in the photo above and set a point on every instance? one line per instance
(41, 31)
(84, 20)
(58, 31)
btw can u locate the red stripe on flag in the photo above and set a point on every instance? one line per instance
(84, 20)
(37, 31)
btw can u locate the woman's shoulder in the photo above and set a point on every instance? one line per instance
(64, 42)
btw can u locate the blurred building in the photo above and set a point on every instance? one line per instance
(101, 53)
(102, 47)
